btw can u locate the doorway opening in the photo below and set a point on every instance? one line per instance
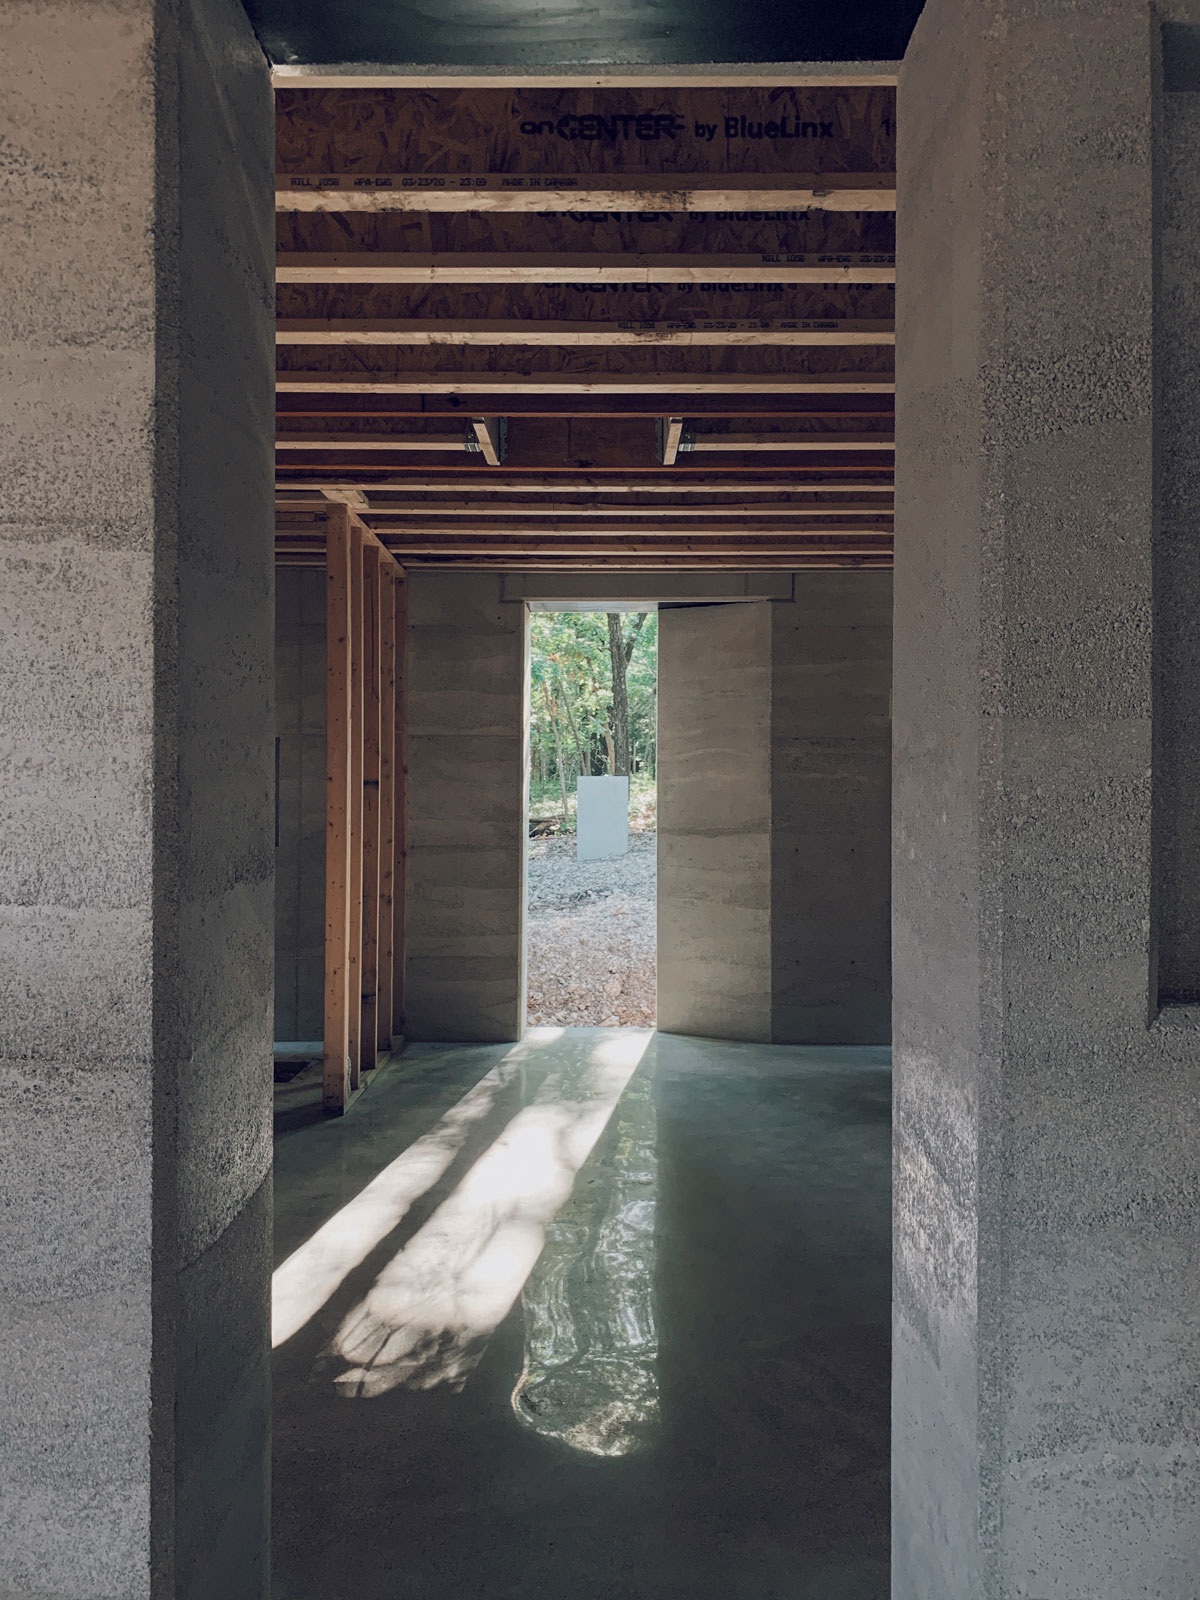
(592, 791)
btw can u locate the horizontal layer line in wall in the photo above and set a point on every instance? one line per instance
(302, 266)
(575, 191)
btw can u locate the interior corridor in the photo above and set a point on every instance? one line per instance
(603, 1313)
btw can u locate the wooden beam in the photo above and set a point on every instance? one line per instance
(354, 498)
(372, 739)
(357, 687)
(633, 483)
(478, 384)
(391, 529)
(816, 404)
(790, 441)
(369, 441)
(336, 1065)
(842, 541)
(399, 944)
(536, 466)
(536, 266)
(670, 437)
(564, 333)
(385, 966)
(491, 436)
(632, 563)
(574, 191)
(486, 511)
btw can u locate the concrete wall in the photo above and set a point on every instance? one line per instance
(714, 820)
(300, 844)
(1046, 1129)
(1177, 549)
(774, 832)
(831, 752)
(135, 889)
(466, 808)
(774, 749)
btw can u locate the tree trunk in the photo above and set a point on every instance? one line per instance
(552, 713)
(619, 745)
(585, 766)
(621, 651)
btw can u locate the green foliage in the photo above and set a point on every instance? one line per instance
(571, 704)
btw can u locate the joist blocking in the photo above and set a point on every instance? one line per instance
(490, 438)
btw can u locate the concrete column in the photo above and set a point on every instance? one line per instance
(136, 736)
(714, 821)
(1046, 1341)
(300, 804)
(466, 808)
(831, 677)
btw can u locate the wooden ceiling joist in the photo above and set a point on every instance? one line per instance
(672, 563)
(616, 191)
(765, 527)
(812, 406)
(533, 331)
(694, 442)
(636, 482)
(719, 262)
(525, 266)
(494, 507)
(673, 383)
(361, 441)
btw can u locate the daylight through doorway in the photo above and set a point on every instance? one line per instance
(593, 812)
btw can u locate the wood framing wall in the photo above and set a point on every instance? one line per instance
(364, 805)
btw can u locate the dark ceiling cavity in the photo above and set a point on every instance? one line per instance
(532, 35)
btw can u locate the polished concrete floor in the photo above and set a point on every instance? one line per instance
(602, 1315)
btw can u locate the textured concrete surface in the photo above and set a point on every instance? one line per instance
(135, 892)
(689, 1396)
(1046, 1131)
(831, 679)
(714, 821)
(300, 841)
(1177, 550)
(774, 830)
(667, 587)
(466, 808)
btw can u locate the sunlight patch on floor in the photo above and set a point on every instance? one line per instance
(428, 1317)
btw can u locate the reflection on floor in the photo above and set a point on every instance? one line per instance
(601, 1315)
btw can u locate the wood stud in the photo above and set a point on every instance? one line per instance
(361, 842)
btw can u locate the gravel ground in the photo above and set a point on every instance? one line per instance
(591, 935)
